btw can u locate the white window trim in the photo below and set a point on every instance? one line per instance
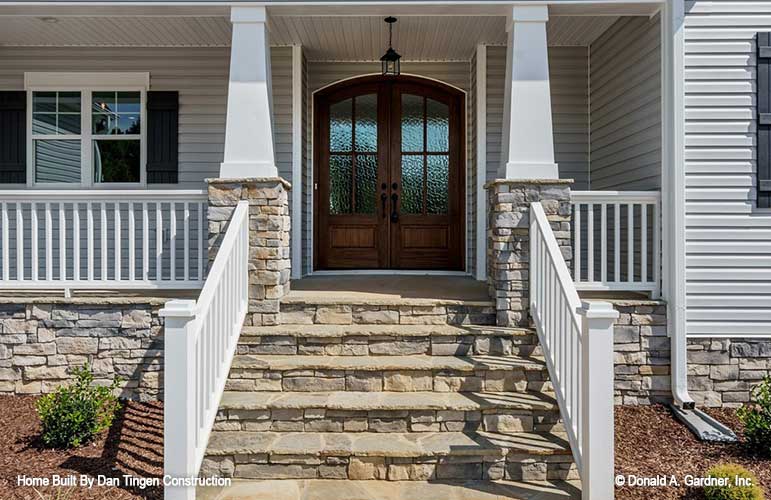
(86, 84)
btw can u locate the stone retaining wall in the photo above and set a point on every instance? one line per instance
(42, 341)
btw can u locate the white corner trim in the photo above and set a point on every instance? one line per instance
(297, 162)
(481, 159)
(87, 80)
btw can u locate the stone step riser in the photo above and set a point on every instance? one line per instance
(519, 467)
(503, 380)
(341, 314)
(440, 345)
(502, 421)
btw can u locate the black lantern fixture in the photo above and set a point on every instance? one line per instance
(390, 60)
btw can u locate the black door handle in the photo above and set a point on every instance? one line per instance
(384, 199)
(394, 212)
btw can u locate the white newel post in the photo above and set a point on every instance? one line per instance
(528, 143)
(597, 400)
(249, 123)
(179, 433)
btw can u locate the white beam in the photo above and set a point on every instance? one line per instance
(528, 141)
(249, 123)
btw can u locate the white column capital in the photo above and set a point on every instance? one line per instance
(248, 14)
(521, 13)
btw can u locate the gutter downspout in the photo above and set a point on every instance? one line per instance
(673, 187)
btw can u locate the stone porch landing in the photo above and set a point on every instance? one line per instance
(403, 289)
(321, 489)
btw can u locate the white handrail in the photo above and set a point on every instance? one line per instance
(106, 238)
(603, 258)
(577, 342)
(200, 341)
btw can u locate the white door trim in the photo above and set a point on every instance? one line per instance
(297, 162)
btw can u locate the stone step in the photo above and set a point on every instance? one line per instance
(397, 457)
(385, 340)
(346, 311)
(387, 373)
(330, 489)
(388, 412)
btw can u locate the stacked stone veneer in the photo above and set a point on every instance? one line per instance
(269, 226)
(508, 239)
(721, 372)
(42, 342)
(641, 352)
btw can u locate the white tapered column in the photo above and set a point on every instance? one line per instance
(527, 143)
(249, 125)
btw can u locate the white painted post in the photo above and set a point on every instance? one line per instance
(249, 122)
(528, 143)
(179, 432)
(597, 400)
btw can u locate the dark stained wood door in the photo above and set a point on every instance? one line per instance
(388, 157)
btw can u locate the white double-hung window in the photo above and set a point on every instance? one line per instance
(86, 129)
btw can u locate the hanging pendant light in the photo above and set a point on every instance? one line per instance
(390, 60)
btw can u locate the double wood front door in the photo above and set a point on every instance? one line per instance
(388, 175)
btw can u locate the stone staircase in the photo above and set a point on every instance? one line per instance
(410, 390)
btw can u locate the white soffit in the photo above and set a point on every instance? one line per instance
(324, 38)
(157, 31)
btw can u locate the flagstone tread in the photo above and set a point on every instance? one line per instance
(367, 330)
(393, 401)
(330, 489)
(381, 363)
(335, 300)
(372, 444)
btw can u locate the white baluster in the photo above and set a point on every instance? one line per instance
(132, 242)
(19, 242)
(6, 256)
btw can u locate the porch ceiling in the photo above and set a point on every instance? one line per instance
(329, 38)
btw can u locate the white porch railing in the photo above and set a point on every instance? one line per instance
(577, 341)
(56, 239)
(200, 340)
(617, 240)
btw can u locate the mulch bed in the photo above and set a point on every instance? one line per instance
(133, 445)
(650, 442)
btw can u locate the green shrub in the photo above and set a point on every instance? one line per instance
(732, 491)
(756, 418)
(74, 414)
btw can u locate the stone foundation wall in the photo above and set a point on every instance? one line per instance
(722, 372)
(269, 226)
(641, 352)
(41, 342)
(508, 239)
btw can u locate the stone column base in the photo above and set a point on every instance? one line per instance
(508, 239)
(269, 226)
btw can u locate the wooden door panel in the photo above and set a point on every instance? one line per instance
(426, 157)
(351, 158)
(364, 216)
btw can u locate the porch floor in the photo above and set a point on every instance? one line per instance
(388, 288)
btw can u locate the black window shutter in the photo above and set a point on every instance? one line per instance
(13, 137)
(764, 119)
(162, 139)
